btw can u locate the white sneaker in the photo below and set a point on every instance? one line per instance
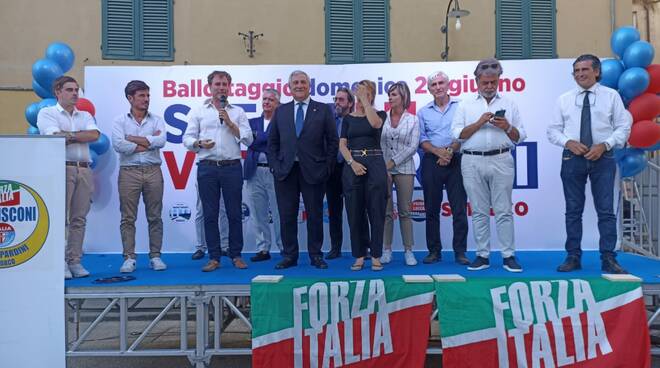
(67, 272)
(410, 258)
(128, 266)
(77, 270)
(157, 264)
(387, 256)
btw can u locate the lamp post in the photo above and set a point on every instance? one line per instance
(457, 13)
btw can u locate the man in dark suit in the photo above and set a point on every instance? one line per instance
(259, 180)
(334, 194)
(302, 151)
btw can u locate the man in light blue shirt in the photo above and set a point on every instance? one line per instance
(441, 167)
(138, 137)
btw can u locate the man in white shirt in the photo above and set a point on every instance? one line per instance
(589, 121)
(138, 136)
(489, 125)
(79, 129)
(215, 132)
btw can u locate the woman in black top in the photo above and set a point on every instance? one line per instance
(364, 177)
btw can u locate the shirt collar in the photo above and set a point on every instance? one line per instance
(61, 109)
(480, 97)
(146, 116)
(305, 101)
(432, 104)
(591, 89)
(209, 103)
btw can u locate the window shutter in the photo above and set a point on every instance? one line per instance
(156, 17)
(375, 31)
(509, 20)
(119, 29)
(339, 31)
(525, 29)
(542, 24)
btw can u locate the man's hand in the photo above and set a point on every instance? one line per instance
(577, 148)
(444, 156)
(206, 143)
(595, 152)
(485, 118)
(139, 149)
(500, 122)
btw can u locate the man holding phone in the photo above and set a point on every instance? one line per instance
(489, 125)
(215, 132)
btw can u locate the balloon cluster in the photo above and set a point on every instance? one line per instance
(58, 59)
(638, 83)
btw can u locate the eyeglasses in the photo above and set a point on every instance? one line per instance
(492, 66)
(579, 99)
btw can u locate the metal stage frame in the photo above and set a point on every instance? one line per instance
(200, 306)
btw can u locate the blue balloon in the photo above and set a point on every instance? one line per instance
(32, 131)
(45, 71)
(633, 81)
(31, 113)
(622, 38)
(41, 91)
(47, 102)
(632, 163)
(654, 147)
(610, 71)
(94, 157)
(638, 54)
(101, 145)
(62, 54)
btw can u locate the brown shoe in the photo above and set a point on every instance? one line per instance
(212, 265)
(239, 263)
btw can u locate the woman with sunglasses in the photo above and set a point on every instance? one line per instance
(364, 177)
(399, 142)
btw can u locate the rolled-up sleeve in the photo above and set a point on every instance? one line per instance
(458, 122)
(158, 140)
(245, 132)
(119, 142)
(192, 131)
(516, 121)
(47, 122)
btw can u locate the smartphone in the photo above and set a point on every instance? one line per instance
(500, 113)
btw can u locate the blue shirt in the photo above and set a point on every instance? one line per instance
(435, 124)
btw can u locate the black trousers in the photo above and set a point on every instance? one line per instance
(366, 192)
(334, 193)
(434, 179)
(288, 193)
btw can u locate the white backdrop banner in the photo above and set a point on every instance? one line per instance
(538, 202)
(32, 252)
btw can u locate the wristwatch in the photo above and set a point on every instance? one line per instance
(509, 129)
(349, 162)
(449, 149)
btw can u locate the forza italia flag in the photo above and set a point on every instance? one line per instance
(543, 323)
(357, 323)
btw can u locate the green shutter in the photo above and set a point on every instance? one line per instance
(339, 31)
(542, 29)
(357, 31)
(119, 29)
(137, 30)
(525, 29)
(375, 31)
(156, 16)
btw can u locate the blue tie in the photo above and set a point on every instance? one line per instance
(300, 118)
(585, 122)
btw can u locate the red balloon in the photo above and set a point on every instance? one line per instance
(644, 134)
(86, 105)
(654, 74)
(645, 107)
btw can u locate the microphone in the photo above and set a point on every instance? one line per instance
(223, 104)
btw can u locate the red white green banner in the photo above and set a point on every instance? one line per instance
(340, 323)
(543, 323)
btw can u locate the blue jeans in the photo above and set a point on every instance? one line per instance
(211, 181)
(574, 173)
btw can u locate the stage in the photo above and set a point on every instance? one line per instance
(192, 300)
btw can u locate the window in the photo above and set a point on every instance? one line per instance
(357, 31)
(137, 30)
(526, 29)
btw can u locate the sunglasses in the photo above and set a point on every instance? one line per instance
(492, 66)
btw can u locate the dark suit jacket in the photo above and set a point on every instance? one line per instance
(258, 146)
(316, 147)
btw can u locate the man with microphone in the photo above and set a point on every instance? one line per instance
(215, 132)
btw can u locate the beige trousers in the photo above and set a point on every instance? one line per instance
(404, 184)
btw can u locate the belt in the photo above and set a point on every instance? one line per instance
(220, 163)
(262, 164)
(78, 163)
(488, 153)
(367, 152)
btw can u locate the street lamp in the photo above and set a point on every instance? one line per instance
(457, 13)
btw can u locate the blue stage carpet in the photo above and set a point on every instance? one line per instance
(182, 271)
